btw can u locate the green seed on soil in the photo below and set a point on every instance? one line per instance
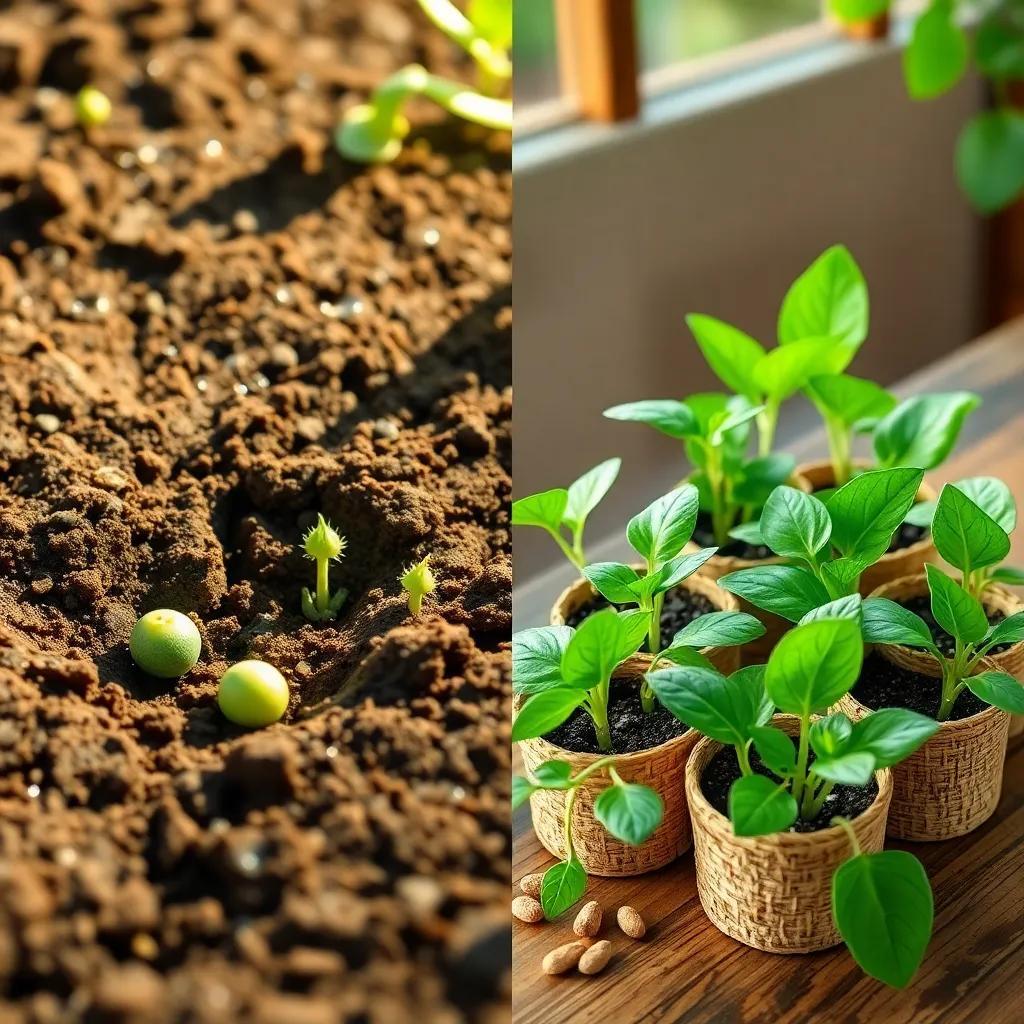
(92, 108)
(253, 693)
(165, 643)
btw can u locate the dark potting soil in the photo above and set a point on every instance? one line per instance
(212, 327)
(922, 606)
(884, 685)
(704, 536)
(681, 607)
(723, 770)
(631, 727)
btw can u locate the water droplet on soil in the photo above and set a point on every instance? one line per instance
(32, 791)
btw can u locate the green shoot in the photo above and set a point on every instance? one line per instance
(324, 545)
(418, 581)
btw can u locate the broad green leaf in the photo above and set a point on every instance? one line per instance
(759, 477)
(719, 629)
(545, 509)
(785, 590)
(749, 533)
(1009, 576)
(758, 806)
(673, 572)
(595, 650)
(956, 611)
(966, 536)
(998, 689)
(883, 908)
(858, 10)
(724, 709)
(685, 656)
(706, 406)
(752, 677)
(665, 414)
(635, 623)
(662, 530)
(848, 607)
(729, 423)
(869, 509)
(545, 711)
(492, 20)
(537, 657)
(828, 300)
(795, 524)
(612, 580)
(522, 790)
(563, 885)
(848, 400)
(1007, 631)
(830, 734)
(630, 812)
(921, 431)
(921, 513)
(990, 159)
(993, 497)
(776, 750)
(936, 56)
(850, 768)
(842, 575)
(813, 666)
(552, 775)
(886, 622)
(729, 352)
(785, 370)
(891, 735)
(999, 44)
(585, 494)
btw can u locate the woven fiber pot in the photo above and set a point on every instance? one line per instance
(952, 783)
(893, 564)
(725, 659)
(661, 768)
(773, 892)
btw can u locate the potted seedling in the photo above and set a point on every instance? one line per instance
(373, 131)
(577, 697)
(789, 811)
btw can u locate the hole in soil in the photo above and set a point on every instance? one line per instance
(140, 262)
(63, 68)
(156, 104)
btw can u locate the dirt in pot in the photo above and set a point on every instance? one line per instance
(681, 607)
(704, 536)
(723, 770)
(922, 606)
(632, 728)
(885, 685)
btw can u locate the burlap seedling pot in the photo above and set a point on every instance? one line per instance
(661, 768)
(995, 599)
(725, 659)
(773, 892)
(893, 564)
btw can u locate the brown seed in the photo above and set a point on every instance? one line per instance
(595, 959)
(631, 922)
(588, 920)
(527, 909)
(530, 884)
(563, 958)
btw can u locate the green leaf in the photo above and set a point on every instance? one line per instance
(828, 300)
(813, 666)
(663, 529)
(635, 626)
(759, 477)
(752, 677)
(537, 657)
(886, 622)
(849, 400)
(1009, 576)
(596, 648)
(848, 607)
(719, 629)
(921, 514)
(665, 414)
(673, 572)
(552, 775)
(630, 812)
(883, 908)
(966, 536)
(728, 424)
(1007, 631)
(586, 493)
(775, 749)
(785, 590)
(956, 611)
(858, 10)
(785, 370)
(870, 508)
(759, 807)
(990, 159)
(522, 790)
(936, 56)
(563, 885)
(921, 431)
(730, 353)
(612, 580)
(545, 711)
(850, 768)
(749, 533)
(891, 735)
(999, 45)
(724, 709)
(998, 689)
(842, 575)
(993, 497)
(830, 734)
(545, 509)
(795, 524)
(685, 656)
(492, 20)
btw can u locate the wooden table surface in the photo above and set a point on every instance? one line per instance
(687, 972)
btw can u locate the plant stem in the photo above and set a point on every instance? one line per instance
(743, 757)
(766, 424)
(812, 808)
(323, 594)
(839, 450)
(598, 707)
(574, 556)
(848, 829)
(600, 763)
(800, 778)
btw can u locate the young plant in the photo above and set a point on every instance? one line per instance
(812, 668)
(373, 131)
(715, 429)
(562, 510)
(323, 544)
(418, 581)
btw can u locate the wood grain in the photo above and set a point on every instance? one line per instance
(686, 972)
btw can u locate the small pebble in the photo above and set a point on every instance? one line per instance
(245, 222)
(526, 908)
(283, 355)
(47, 423)
(385, 429)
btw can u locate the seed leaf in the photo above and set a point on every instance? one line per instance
(921, 431)
(775, 749)
(891, 735)
(667, 415)
(522, 790)
(724, 709)
(563, 885)
(829, 735)
(994, 497)
(545, 711)
(850, 768)
(552, 775)
(662, 530)
(760, 476)
(601, 642)
(729, 352)
(758, 806)
(956, 611)
(786, 590)
(966, 536)
(612, 581)
(795, 524)
(868, 510)
(785, 370)
(848, 607)
(537, 657)
(998, 689)
(585, 494)
(545, 509)
(719, 629)
(1007, 631)
(674, 571)
(849, 400)
(886, 622)
(630, 812)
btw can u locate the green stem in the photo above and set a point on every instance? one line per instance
(800, 778)
(323, 594)
(598, 708)
(574, 556)
(743, 757)
(839, 450)
(600, 763)
(767, 421)
(848, 829)
(812, 808)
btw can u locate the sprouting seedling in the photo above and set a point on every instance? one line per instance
(813, 667)
(373, 132)
(92, 107)
(324, 545)
(562, 512)
(629, 811)
(417, 582)
(827, 544)
(715, 429)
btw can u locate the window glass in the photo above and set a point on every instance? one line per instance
(534, 51)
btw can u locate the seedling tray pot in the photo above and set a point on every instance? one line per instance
(773, 892)
(660, 767)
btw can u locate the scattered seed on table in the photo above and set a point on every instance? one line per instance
(530, 884)
(631, 922)
(595, 959)
(563, 958)
(588, 920)
(526, 908)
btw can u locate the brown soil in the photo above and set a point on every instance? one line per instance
(212, 328)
